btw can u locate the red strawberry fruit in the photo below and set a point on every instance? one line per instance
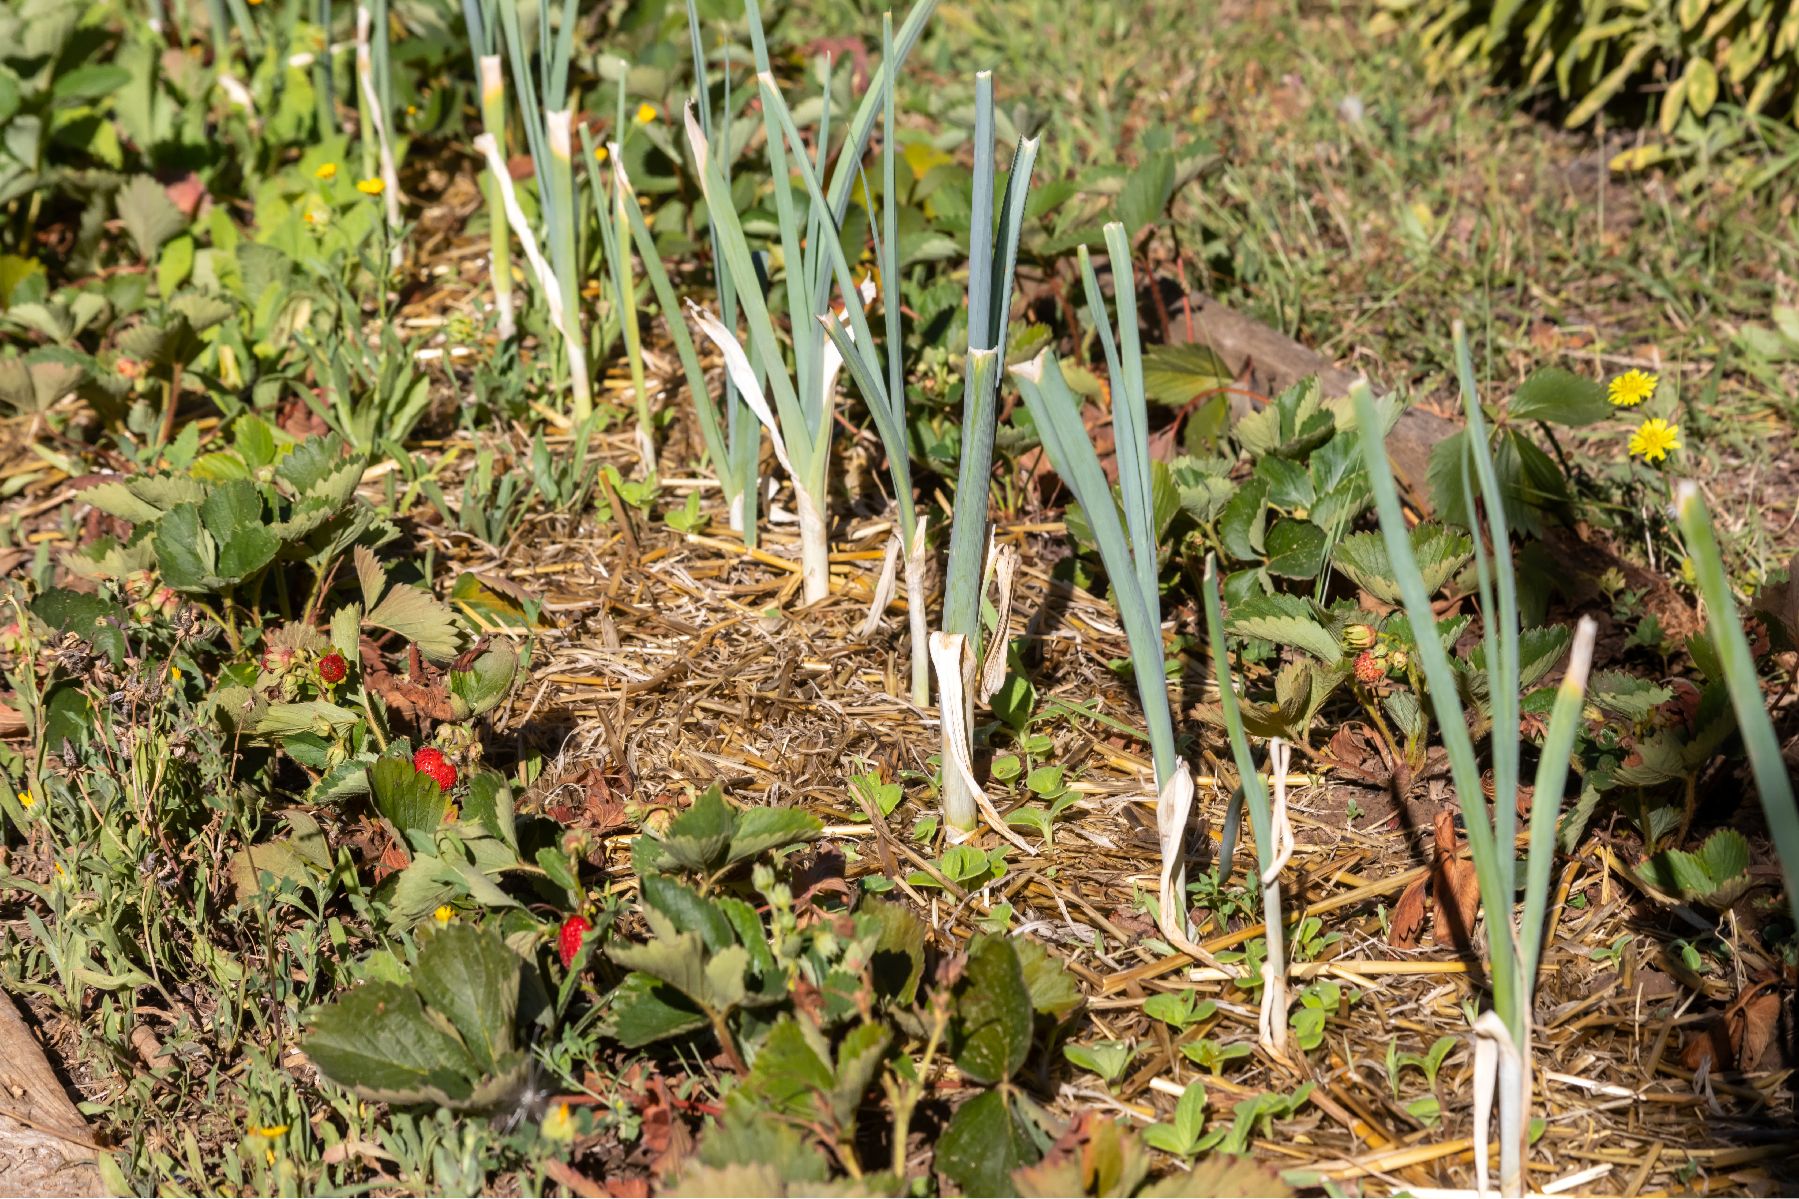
(430, 761)
(569, 938)
(1368, 670)
(333, 668)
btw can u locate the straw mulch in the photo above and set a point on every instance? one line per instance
(680, 660)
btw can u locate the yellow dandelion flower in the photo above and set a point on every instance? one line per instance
(370, 187)
(444, 914)
(1655, 439)
(1631, 388)
(599, 153)
(27, 799)
(646, 113)
(326, 171)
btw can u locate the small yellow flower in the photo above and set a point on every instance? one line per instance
(412, 110)
(1654, 439)
(326, 171)
(27, 800)
(271, 1131)
(444, 914)
(370, 187)
(1631, 388)
(599, 153)
(646, 113)
(558, 1125)
(60, 872)
(174, 674)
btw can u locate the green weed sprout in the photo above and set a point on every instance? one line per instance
(800, 420)
(1514, 938)
(549, 133)
(490, 76)
(1772, 782)
(1127, 546)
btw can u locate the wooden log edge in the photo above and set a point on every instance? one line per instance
(46, 1147)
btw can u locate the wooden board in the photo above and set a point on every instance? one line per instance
(45, 1145)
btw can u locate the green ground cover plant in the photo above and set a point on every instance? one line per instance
(454, 736)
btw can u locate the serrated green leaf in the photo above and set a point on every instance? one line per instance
(148, 214)
(1441, 552)
(470, 976)
(307, 716)
(1052, 988)
(416, 615)
(378, 1040)
(761, 829)
(643, 1010)
(788, 1074)
(993, 1013)
(986, 1140)
(481, 688)
(1285, 620)
(698, 838)
(1627, 695)
(1295, 549)
(407, 799)
(688, 910)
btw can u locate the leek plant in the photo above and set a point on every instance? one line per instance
(883, 384)
(615, 237)
(733, 433)
(375, 105)
(1514, 937)
(1127, 545)
(549, 134)
(711, 433)
(1772, 782)
(992, 261)
(1274, 839)
(800, 419)
(490, 76)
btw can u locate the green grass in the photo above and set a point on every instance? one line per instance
(1342, 199)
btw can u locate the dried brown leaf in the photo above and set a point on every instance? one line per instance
(1407, 928)
(1456, 889)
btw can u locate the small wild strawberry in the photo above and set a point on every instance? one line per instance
(569, 938)
(277, 658)
(430, 761)
(1368, 671)
(333, 668)
(1358, 636)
